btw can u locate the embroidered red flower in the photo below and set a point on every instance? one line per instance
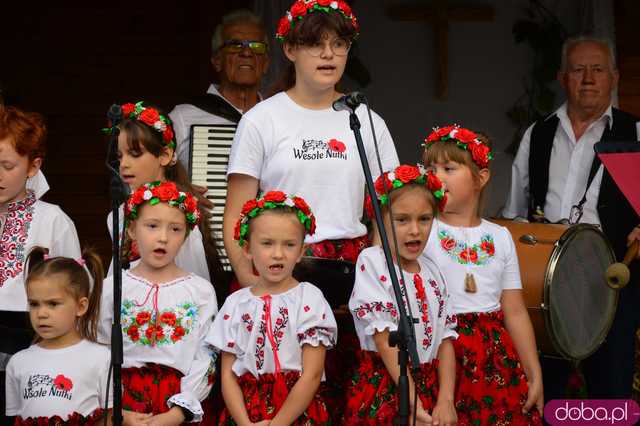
(128, 109)
(448, 243)
(63, 383)
(143, 317)
(154, 332)
(230, 345)
(469, 255)
(275, 196)
(149, 116)
(299, 8)
(168, 318)
(178, 332)
(348, 252)
(383, 278)
(307, 308)
(488, 248)
(336, 145)
(133, 333)
(226, 317)
(407, 173)
(166, 191)
(362, 267)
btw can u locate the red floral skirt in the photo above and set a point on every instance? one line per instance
(261, 401)
(339, 249)
(491, 386)
(372, 397)
(147, 389)
(95, 418)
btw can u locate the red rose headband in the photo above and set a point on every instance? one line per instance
(301, 8)
(152, 118)
(465, 139)
(273, 200)
(402, 176)
(166, 192)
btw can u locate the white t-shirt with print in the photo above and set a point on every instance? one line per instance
(27, 224)
(487, 251)
(166, 324)
(58, 382)
(299, 316)
(312, 154)
(374, 307)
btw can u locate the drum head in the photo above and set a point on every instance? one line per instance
(580, 304)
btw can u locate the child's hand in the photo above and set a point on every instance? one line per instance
(444, 414)
(173, 417)
(131, 418)
(422, 417)
(535, 396)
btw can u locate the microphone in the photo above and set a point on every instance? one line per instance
(115, 114)
(349, 102)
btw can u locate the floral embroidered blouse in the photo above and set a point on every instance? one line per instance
(263, 332)
(166, 324)
(487, 251)
(29, 223)
(374, 309)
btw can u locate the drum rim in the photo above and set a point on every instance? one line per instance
(566, 237)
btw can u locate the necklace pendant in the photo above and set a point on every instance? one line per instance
(470, 283)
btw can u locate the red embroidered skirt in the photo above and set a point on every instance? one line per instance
(372, 397)
(260, 401)
(147, 389)
(491, 386)
(339, 249)
(95, 418)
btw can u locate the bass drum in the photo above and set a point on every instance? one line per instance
(565, 290)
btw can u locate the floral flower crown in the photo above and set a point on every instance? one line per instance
(152, 118)
(301, 8)
(167, 192)
(465, 139)
(402, 176)
(272, 200)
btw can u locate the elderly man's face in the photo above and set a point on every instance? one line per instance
(244, 68)
(589, 77)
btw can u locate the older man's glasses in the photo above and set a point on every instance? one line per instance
(339, 46)
(237, 46)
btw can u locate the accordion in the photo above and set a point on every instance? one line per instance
(208, 160)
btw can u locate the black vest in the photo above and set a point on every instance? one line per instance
(616, 214)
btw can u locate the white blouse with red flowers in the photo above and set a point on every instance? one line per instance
(263, 332)
(58, 382)
(166, 324)
(29, 223)
(374, 309)
(487, 251)
(191, 256)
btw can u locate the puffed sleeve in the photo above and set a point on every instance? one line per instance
(371, 304)
(12, 389)
(196, 384)
(224, 332)
(316, 323)
(106, 312)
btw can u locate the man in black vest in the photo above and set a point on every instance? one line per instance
(239, 56)
(556, 176)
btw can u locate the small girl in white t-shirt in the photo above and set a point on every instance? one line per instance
(62, 378)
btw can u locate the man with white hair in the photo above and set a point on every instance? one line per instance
(239, 56)
(557, 177)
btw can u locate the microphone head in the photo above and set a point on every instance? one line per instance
(115, 114)
(341, 105)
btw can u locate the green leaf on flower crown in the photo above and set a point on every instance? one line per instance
(490, 155)
(269, 205)
(106, 130)
(254, 212)
(384, 199)
(154, 201)
(439, 193)
(244, 228)
(190, 217)
(461, 145)
(397, 183)
(420, 179)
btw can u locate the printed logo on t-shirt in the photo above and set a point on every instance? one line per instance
(45, 386)
(314, 149)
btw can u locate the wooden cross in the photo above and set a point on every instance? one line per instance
(439, 14)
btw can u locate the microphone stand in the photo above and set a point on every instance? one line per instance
(116, 192)
(404, 338)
